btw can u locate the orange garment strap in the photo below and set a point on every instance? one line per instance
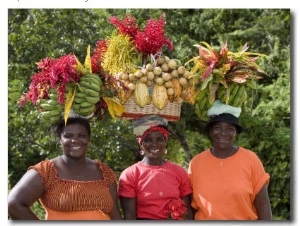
(70, 195)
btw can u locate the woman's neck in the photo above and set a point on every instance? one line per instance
(153, 162)
(223, 153)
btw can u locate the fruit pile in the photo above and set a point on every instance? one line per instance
(159, 82)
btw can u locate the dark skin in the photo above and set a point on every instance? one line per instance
(154, 146)
(72, 165)
(223, 135)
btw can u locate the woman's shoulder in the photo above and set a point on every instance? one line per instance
(247, 152)
(108, 174)
(175, 167)
(202, 154)
(42, 165)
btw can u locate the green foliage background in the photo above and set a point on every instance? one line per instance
(34, 34)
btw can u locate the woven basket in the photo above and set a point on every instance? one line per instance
(132, 111)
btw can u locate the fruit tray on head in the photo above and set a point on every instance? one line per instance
(171, 112)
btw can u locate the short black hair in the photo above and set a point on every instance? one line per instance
(58, 129)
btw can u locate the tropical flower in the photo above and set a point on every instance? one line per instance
(53, 73)
(225, 66)
(176, 209)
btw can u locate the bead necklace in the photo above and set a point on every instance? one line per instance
(160, 193)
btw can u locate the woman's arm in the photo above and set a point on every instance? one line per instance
(129, 207)
(262, 204)
(189, 214)
(115, 213)
(27, 191)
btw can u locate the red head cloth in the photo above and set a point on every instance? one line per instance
(149, 123)
(164, 131)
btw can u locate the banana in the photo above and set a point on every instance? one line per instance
(45, 114)
(92, 100)
(238, 98)
(81, 94)
(233, 91)
(94, 79)
(90, 85)
(54, 112)
(236, 102)
(86, 110)
(53, 96)
(52, 102)
(85, 104)
(54, 118)
(75, 106)
(48, 107)
(79, 100)
(91, 76)
(90, 92)
(200, 94)
(221, 93)
(201, 113)
(203, 102)
(244, 93)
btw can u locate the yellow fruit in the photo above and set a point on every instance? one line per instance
(177, 88)
(141, 95)
(159, 96)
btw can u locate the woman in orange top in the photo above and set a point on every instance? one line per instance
(70, 186)
(229, 182)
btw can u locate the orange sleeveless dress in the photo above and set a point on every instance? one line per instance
(75, 200)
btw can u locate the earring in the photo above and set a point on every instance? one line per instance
(58, 146)
(166, 151)
(142, 152)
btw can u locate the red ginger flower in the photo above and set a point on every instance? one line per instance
(176, 209)
(54, 73)
(152, 39)
(126, 27)
(97, 57)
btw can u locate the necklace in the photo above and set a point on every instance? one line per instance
(160, 193)
(231, 153)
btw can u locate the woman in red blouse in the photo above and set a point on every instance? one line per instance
(148, 187)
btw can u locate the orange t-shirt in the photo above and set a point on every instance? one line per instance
(75, 200)
(225, 189)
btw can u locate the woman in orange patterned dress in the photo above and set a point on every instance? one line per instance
(70, 186)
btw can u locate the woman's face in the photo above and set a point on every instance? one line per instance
(74, 140)
(154, 145)
(222, 134)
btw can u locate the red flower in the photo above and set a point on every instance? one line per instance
(97, 57)
(152, 40)
(176, 209)
(126, 27)
(53, 73)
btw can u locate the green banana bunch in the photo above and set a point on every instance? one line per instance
(238, 95)
(87, 95)
(52, 109)
(202, 104)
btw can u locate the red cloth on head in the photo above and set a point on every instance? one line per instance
(164, 131)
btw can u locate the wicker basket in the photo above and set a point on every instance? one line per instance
(132, 111)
